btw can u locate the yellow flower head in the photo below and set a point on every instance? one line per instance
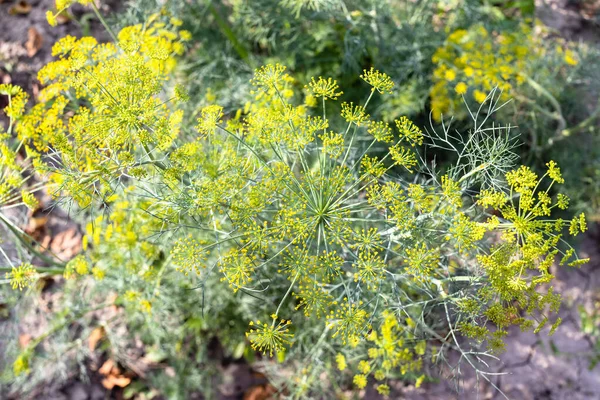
(270, 338)
(324, 88)
(378, 80)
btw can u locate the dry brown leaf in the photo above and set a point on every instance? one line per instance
(95, 336)
(45, 243)
(34, 42)
(62, 18)
(107, 367)
(24, 340)
(66, 244)
(111, 381)
(112, 375)
(36, 223)
(260, 392)
(21, 8)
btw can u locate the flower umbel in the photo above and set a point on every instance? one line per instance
(270, 338)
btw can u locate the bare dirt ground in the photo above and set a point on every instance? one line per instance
(539, 367)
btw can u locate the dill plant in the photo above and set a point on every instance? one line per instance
(340, 244)
(430, 46)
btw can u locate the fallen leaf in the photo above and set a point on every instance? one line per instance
(36, 225)
(24, 340)
(261, 392)
(21, 8)
(62, 18)
(107, 367)
(111, 381)
(66, 244)
(34, 42)
(95, 336)
(112, 375)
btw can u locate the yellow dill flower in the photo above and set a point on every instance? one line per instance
(21, 363)
(340, 359)
(146, 306)
(379, 374)
(211, 117)
(450, 75)
(380, 81)
(268, 76)
(364, 367)
(554, 172)
(479, 96)
(403, 157)
(370, 269)
(333, 143)
(313, 299)
(578, 224)
(491, 198)
(421, 262)
(237, 268)
(22, 276)
(270, 338)
(555, 326)
(570, 57)
(324, 88)
(461, 88)
(360, 381)
(78, 265)
(181, 93)
(409, 131)
(419, 381)
(29, 200)
(383, 390)
(189, 255)
(373, 166)
(175, 21)
(465, 233)
(348, 321)
(522, 180)
(381, 131)
(354, 114)
(51, 18)
(98, 273)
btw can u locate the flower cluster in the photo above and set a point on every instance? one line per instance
(474, 61)
(333, 221)
(101, 113)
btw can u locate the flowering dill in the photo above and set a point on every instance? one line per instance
(325, 88)
(268, 76)
(189, 255)
(22, 276)
(348, 321)
(354, 114)
(272, 338)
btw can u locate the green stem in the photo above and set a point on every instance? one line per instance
(39, 270)
(103, 22)
(542, 90)
(583, 124)
(26, 241)
(226, 30)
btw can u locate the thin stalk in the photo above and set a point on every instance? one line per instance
(39, 270)
(285, 296)
(22, 237)
(228, 32)
(103, 22)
